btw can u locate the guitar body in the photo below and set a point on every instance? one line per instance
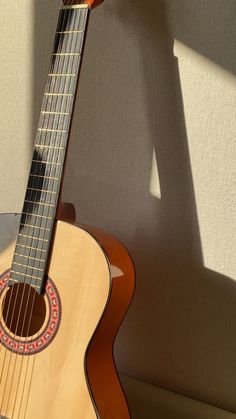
(66, 368)
(64, 289)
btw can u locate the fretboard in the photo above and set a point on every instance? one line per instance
(32, 249)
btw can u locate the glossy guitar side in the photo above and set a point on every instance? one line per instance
(64, 289)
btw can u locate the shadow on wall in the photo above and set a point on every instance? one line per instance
(45, 20)
(178, 332)
(207, 27)
(44, 11)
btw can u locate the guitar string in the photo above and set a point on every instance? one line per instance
(16, 297)
(11, 291)
(78, 64)
(28, 297)
(62, 140)
(43, 159)
(29, 255)
(48, 210)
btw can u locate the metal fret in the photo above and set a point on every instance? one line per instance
(36, 215)
(39, 203)
(65, 64)
(49, 146)
(66, 53)
(16, 281)
(40, 182)
(24, 274)
(42, 190)
(32, 237)
(69, 32)
(65, 84)
(76, 6)
(34, 226)
(58, 94)
(55, 113)
(45, 177)
(28, 257)
(73, 18)
(41, 167)
(51, 140)
(58, 103)
(46, 162)
(31, 247)
(27, 266)
(39, 210)
(61, 75)
(51, 130)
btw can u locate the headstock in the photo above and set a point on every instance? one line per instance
(90, 3)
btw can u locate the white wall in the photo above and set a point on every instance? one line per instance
(152, 160)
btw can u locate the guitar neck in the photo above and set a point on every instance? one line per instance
(36, 226)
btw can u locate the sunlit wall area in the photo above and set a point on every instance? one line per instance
(152, 160)
(16, 86)
(209, 97)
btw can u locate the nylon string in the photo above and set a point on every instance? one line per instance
(43, 212)
(45, 138)
(37, 181)
(39, 139)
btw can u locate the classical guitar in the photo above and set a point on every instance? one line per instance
(64, 289)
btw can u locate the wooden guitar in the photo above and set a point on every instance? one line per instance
(64, 289)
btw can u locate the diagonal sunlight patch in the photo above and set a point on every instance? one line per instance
(154, 188)
(209, 97)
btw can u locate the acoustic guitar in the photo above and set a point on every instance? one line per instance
(64, 288)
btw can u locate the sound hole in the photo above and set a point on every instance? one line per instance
(24, 310)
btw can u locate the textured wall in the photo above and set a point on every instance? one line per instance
(152, 160)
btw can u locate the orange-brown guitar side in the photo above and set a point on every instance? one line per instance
(66, 212)
(100, 366)
(101, 371)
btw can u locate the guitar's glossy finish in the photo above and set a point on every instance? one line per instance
(64, 289)
(122, 288)
(74, 376)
